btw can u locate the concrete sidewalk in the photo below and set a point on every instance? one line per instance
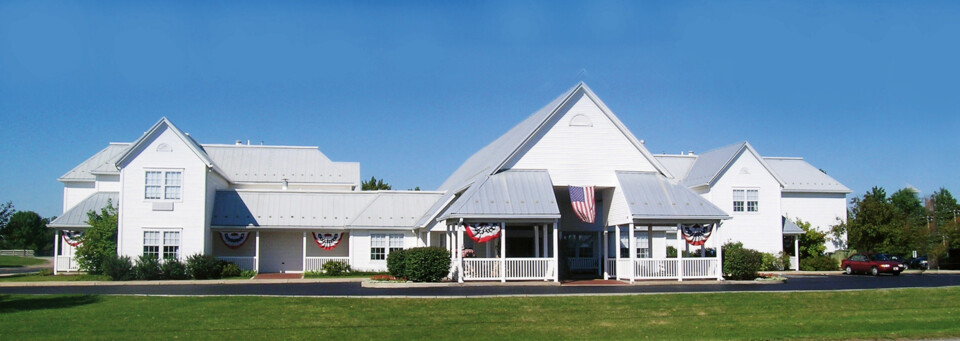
(178, 282)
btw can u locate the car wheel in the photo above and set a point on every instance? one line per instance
(874, 271)
(848, 270)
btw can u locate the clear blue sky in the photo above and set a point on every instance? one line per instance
(868, 91)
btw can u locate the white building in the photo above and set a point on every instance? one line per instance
(290, 209)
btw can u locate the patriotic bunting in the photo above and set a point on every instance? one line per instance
(482, 233)
(696, 234)
(583, 203)
(328, 241)
(72, 238)
(234, 240)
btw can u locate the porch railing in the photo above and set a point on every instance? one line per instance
(648, 268)
(700, 267)
(583, 263)
(66, 263)
(664, 268)
(244, 263)
(480, 269)
(316, 263)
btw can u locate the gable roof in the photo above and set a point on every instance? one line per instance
(712, 164)
(651, 196)
(155, 131)
(103, 162)
(800, 176)
(790, 228)
(518, 194)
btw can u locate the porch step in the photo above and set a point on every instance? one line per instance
(278, 276)
(594, 282)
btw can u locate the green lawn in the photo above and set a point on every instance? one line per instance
(52, 278)
(17, 261)
(871, 314)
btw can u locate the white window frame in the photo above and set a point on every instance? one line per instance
(391, 242)
(163, 184)
(163, 242)
(744, 200)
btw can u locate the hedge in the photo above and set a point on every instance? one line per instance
(740, 263)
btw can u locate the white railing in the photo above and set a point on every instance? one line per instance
(650, 268)
(700, 267)
(244, 263)
(316, 263)
(481, 269)
(66, 263)
(794, 263)
(583, 263)
(623, 268)
(611, 268)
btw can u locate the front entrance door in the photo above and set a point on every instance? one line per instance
(281, 251)
(579, 255)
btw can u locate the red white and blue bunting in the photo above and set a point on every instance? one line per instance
(234, 240)
(72, 238)
(482, 233)
(328, 241)
(696, 234)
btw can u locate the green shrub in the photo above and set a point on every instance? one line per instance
(426, 264)
(335, 268)
(248, 273)
(204, 267)
(671, 252)
(740, 263)
(230, 270)
(819, 263)
(396, 263)
(118, 268)
(173, 269)
(773, 262)
(147, 268)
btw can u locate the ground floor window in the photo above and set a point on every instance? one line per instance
(382, 244)
(161, 243)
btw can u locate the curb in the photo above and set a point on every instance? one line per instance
(178, 282)
(405, 285)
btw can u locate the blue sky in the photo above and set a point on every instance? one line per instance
(867, 91)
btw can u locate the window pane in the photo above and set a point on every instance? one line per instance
(151, 192)
(396, 241)
(171, 252)
(738, 206)
(378, 240)
(171, 238)
(153, 178)
(171, 192)
(378, 253)
(752, 206)
(738, 195)
(151, 251)
(172, 179)
(151, 238)
(752, 195)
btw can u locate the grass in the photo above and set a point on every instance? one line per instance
(352, 274)
(18, 261)
(868, 314)
(52, 278)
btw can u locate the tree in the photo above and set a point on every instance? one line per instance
(27, 230)
(374, 184)
(99, 242)
(944, 206)
(908, 203)
(811, 241)
(6, 210)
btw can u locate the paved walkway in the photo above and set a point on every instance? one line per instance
(28, 268)
(354, 289)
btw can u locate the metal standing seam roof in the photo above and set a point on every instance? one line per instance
(652, 196)
(518, 194)
(800, 176)
(76, 216)
(678, 165)
(711, 165)
(320, 210)
(103, 162)
(790, 228)
(245, 163)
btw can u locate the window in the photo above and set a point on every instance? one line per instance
(746, 200)
(382, 244)
(165, 184)
(169, 244)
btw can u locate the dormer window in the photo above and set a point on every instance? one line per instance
(162, 185)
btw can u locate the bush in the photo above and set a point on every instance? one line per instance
(740, 263)
(248, 273)
(426, 264)
(671, 252)
(99, 241)
(773, 262)
(118, 268)
(173, 269)
(819, 263)
(396, 263)
(336, 268)
(203, 267)
(230, 270)
(147, 268)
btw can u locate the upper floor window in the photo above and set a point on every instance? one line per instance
(162, 185)
(746, 200)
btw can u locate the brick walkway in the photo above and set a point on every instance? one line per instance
(278, 276)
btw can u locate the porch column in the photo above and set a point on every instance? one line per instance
(428, 238)
(606, 254)
(556, 254)
(56, 249)
(617, 250)
(503, 252)
(460, 251)
(546, 250)
(256, 254)
(596, 247)
(796, 250)
(650, 240)
(633, 252)
(719, 249)
(304, 252)
(536, 240)
(679, 254)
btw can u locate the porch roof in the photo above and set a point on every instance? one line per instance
(653, 198)
(790, 228)
(77, 216)
(512, 194)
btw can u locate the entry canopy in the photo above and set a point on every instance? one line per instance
(654, 199)
(513, 194)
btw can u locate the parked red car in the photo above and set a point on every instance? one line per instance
(873, 264)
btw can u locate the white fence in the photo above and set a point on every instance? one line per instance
(66, 264)
(479, 269)
(316, 263)
(244, 263)
(22, 253)
(583, 263)
(664, 268)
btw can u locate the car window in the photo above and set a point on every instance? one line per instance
(879, 257)
(858, 258)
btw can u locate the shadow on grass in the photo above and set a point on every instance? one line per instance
(11, 304)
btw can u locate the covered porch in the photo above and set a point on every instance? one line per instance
(281, 250)
(503, 251)
(70, 228)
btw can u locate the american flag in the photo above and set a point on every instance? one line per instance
(583, 204)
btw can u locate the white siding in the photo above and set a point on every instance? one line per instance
(75, 192)
(761, 230)
(188, 213)
(822, 210)
(360, 257)
(583, 155)
(108, 183)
